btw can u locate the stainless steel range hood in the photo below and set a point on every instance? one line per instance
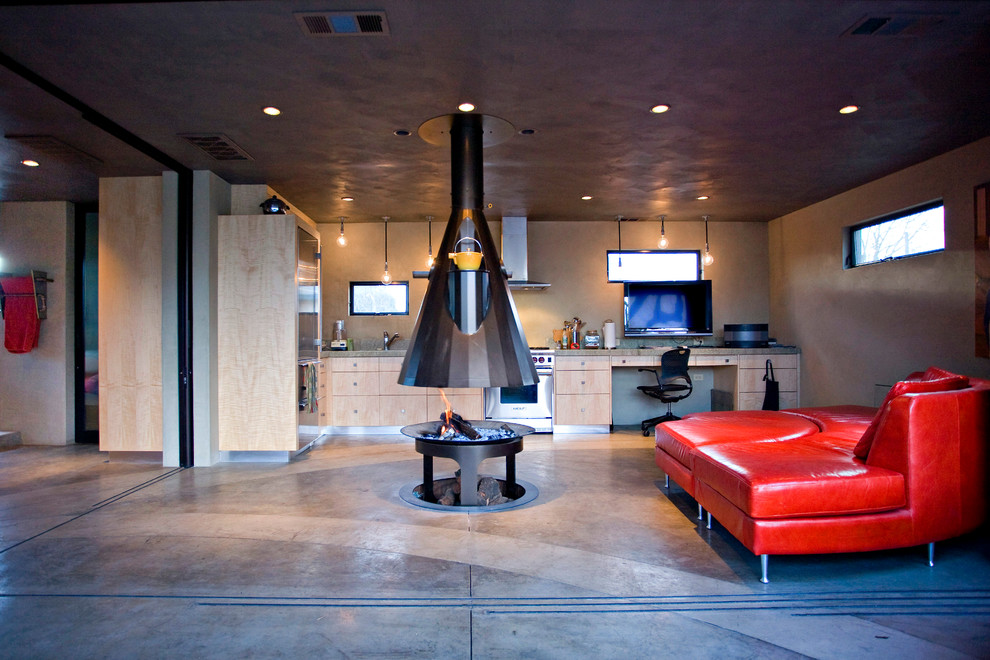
(515, 253)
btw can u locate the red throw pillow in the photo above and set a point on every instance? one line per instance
(937, 383)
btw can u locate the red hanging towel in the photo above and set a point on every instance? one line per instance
(21, 325)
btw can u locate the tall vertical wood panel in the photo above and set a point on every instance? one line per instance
(256, 326)
(130, 314)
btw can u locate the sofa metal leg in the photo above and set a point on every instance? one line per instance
(709, 520)
(701, 512)
(666, 481)
(764, 562)
(931, 554)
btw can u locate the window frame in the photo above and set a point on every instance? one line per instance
(849, 234)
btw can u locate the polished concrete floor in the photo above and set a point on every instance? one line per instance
(320, 558)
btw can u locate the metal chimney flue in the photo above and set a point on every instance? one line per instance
(468, 332)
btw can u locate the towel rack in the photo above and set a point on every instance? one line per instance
(40, 294)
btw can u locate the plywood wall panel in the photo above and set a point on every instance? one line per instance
(130, 314)
(256, 325)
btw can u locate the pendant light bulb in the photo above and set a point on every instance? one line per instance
(386, 277)
(707, 259)
(663, 242)
(342, 240)
(429, 257)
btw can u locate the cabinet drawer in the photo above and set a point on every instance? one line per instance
(388, 385)
(754, 400)
(786, 361)
(468, 406)
(711, 360)
(389, 363)
(751, 380)
(402, 410)
(356, 411)
(649, 361)
(353, 364)
(582, 409)
(580, 363)
(363, 383)
(582, 382)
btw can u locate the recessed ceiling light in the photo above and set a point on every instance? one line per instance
(849, 109)
(30, 163)
(272, 111)
(586, 197)
(702, 198)
(659, 109)
(348, 198)
(466, 107)
(402, 132)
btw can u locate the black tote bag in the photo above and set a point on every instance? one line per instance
(772, 399)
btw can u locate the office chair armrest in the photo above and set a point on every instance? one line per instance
(655, 373)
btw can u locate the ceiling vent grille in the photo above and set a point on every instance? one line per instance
(343, 23)
(894, 25)
(216, 145)
(52, 146)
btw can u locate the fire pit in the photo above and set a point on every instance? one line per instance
(493, 439)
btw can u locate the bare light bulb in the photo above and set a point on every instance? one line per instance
(386, 277)
(708, 259)
(663, 242)
(342, 240)
(430, 260)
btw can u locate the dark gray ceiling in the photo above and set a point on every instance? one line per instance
(754, 89)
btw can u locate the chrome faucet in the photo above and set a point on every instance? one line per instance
(386, 342)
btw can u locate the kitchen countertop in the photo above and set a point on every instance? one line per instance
(656, 350)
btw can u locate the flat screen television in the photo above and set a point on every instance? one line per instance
(667, 309)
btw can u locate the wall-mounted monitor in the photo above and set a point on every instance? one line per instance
(653, 265)
(667, 309)
(377, 299)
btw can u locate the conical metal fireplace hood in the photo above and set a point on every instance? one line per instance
(468, 333)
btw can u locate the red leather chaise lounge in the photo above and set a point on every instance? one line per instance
(841, 478)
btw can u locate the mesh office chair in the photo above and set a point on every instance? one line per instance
(673, 384)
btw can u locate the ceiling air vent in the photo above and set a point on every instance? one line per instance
(217, 145)
(343, 23)
(894, 25)
(52, 146)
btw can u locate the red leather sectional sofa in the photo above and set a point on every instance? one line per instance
(840, 478)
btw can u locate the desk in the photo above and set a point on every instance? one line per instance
(583, 381)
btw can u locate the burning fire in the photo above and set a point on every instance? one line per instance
(446, 417)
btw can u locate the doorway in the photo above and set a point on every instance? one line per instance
(86, 330)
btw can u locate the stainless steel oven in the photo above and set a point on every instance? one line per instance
(530, 404)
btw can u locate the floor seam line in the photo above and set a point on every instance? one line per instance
(96, 507)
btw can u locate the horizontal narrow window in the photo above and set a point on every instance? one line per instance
(918, 230)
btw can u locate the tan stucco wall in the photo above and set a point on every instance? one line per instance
(875, 324)
(36, 393)
(570, 256)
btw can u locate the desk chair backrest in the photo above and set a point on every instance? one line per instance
(674, 363)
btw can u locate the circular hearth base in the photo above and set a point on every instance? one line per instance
(529, 493)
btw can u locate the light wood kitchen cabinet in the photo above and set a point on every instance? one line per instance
(365, 392)
(356, 411)
(399, 405)
(469, 403)
(583, 390)
(751, 387)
